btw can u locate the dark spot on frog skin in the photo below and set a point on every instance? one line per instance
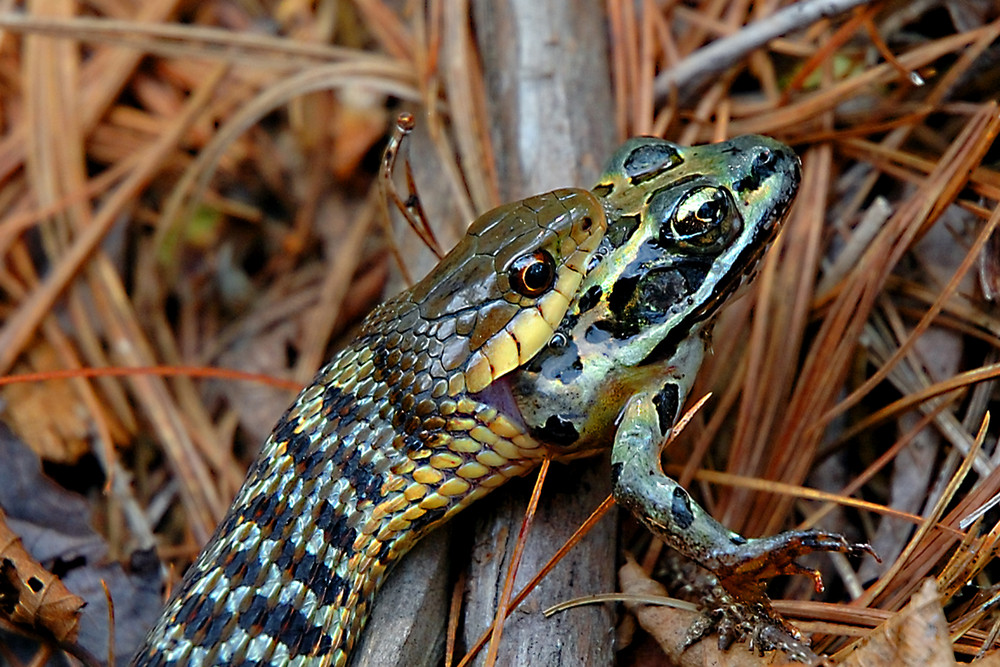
(560, 363)
(557, 431)
(681, 509)
(621, 294)
(694, 269)
(567, 325)
(748, 183)
(724, 287)
(659, 294)
(666, 401)
(622, 230)
(650, 160)
(763, 166)
(638, 301)
(603, 189)
(590, 298)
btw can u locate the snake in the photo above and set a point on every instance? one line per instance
(565, 323)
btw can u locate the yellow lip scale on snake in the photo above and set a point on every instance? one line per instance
(566, 322)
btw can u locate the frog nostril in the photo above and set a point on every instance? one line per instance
(766, 160)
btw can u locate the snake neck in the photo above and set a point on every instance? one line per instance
(364, 463)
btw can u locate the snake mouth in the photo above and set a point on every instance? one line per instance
(499, 396)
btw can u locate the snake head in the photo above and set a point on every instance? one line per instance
(494, 301)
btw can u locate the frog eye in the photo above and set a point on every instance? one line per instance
(704, 220)
(532, 275)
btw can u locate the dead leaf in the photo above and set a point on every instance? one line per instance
(32, 596)
(53, 526)
(669, 626)
(55, 435)
(917, 635)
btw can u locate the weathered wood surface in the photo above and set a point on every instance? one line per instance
(549, 106)
(551, 112)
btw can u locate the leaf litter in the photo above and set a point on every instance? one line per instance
(197, 187)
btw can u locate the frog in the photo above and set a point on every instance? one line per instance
(687, 229)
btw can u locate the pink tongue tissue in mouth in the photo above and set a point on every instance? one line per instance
(499, 396)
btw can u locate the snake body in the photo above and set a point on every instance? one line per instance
(554, 318)
(383, 445)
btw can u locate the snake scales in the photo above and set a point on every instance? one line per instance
(382, 446)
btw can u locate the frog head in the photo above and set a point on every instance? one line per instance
(687, 228)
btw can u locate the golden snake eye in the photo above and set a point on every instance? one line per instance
(532, 275)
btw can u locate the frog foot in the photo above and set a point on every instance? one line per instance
(756, 623)
(744, 569)
(737, 606)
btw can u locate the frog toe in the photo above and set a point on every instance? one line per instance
(754, 623)
(767, 557)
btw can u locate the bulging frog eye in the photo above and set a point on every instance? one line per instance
(532, 275)
(704, 219)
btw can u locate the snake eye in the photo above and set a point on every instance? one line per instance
(531, 275)
(704, 219)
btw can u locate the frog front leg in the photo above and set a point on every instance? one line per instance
(742, 565)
